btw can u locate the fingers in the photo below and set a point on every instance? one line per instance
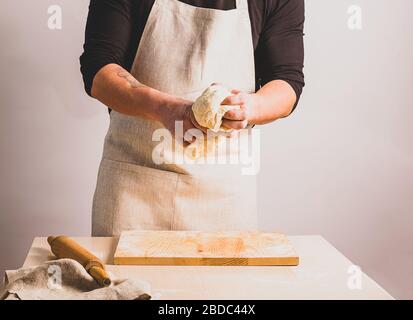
(236, 125)
(237, 99)
(237, 119)
(236, 114)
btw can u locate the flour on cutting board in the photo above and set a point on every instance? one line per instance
(200, 248)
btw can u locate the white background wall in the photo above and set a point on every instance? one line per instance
(340, 166)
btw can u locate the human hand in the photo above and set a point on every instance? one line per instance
(239, 119)
(182, 111)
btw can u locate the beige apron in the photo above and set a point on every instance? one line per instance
(182, 51)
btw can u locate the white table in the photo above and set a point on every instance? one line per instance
(323, 273)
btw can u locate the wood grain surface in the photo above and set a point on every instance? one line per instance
(200, 248)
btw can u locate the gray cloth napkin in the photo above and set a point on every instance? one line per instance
(66, 279)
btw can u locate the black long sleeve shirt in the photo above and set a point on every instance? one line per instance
(114, 29)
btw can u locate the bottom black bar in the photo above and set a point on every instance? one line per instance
(157, 309)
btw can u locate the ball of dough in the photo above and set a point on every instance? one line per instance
(208, 109)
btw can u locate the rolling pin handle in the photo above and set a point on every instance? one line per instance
(50, 239)
(100, 275)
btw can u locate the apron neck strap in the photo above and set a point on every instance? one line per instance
(242, 4)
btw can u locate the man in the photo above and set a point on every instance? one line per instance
(147, 61)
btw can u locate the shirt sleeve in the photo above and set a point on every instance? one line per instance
(281, 46)
(109, 29)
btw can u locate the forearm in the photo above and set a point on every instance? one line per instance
(273, 101)
(120, 91)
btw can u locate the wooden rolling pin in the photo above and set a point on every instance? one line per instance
(65, 248)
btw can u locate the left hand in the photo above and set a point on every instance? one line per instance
(239, 119)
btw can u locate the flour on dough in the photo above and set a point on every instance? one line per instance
(208, 112)
(208, 109)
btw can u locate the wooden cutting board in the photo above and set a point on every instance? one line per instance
(200, 248)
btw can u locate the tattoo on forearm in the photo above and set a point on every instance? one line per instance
(129, 78)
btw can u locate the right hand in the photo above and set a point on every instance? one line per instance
(183, 112)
